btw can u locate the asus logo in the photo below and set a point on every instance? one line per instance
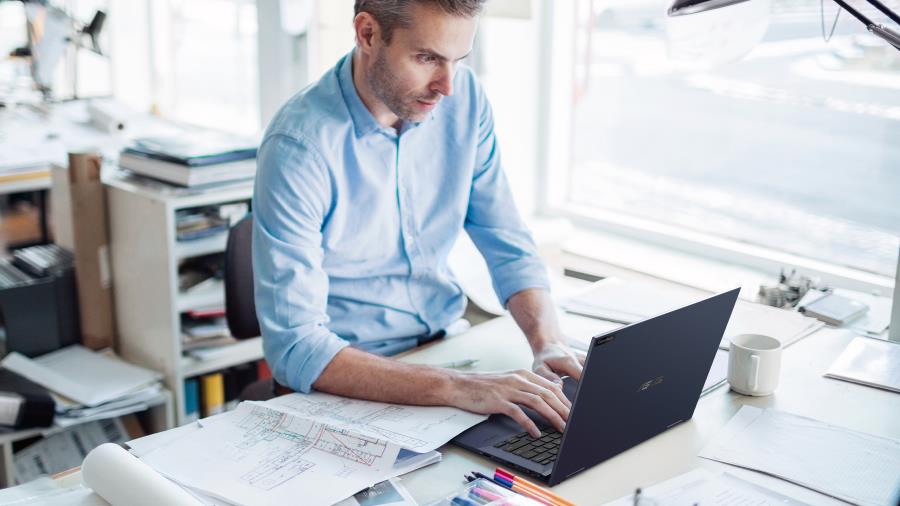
(651, 383)
(604, 340)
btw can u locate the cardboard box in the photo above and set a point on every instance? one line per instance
(90, 235)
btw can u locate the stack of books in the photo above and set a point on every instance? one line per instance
(195, 158)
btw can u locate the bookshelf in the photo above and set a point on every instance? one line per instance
(145, 257)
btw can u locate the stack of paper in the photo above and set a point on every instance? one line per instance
(852, 466)
(626, 302)
(870, 362)
(786, 326)
(88, 385)
(320, 447)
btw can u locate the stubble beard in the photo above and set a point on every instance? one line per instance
(389, 90)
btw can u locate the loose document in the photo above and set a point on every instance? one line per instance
(848, 465)
(318, 447)
(707, 488)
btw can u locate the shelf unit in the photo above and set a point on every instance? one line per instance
(157, 417)
(145, 258)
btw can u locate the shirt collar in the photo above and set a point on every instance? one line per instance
(363, 121)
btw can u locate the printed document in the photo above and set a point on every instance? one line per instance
(260, 455)
(708, 488)
(849, 465)
(417, 428)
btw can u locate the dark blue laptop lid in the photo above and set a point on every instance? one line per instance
(640, 380)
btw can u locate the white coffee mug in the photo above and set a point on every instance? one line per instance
(754, 364)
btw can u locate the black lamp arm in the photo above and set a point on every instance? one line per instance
(884, 9)
(890, 36)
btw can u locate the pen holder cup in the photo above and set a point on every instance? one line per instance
(482, 492)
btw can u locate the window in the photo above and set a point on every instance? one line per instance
(795, 148)
(193, 61)
(207, 63)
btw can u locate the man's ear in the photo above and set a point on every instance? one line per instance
(367, 29)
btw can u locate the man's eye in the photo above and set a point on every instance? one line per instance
(426, 58)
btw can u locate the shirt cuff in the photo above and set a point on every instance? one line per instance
(520, 277)
(307, 360)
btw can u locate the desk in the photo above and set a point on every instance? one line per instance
(498, 345)
(802, 391)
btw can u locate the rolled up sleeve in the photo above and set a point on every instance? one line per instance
(493, 221)
(290, 203)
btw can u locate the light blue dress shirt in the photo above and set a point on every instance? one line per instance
(353, 222)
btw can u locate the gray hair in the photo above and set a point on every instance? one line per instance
(393, 14)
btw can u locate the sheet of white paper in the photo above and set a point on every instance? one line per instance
(751, 318)
(144, 445)
(871, 362)
(849, 465)
(628, 301)
(701, 486)
(417, 428)
(261, 456)
(82, 375)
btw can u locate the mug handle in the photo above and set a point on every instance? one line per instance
(754, 378)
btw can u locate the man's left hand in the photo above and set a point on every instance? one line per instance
(555, 360)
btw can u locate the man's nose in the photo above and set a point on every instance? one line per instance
(443, 83)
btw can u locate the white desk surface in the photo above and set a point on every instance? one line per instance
(802, 390)
(498, 345)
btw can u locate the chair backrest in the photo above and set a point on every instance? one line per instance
(240, 306)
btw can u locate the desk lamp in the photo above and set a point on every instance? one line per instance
(50, 31)
(892, 37)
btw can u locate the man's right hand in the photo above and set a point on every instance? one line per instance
(506, 392)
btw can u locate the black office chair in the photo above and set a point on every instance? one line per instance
(240, 306)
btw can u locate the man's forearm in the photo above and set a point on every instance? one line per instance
(535, 314)
(355, 373)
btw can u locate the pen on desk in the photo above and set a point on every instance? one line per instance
(457, 364)
(531, 486)
(486, 477)
(527, 492)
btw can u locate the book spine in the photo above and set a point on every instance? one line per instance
(212, 390)
(191, 400)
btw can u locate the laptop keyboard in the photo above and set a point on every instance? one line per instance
(542, 450)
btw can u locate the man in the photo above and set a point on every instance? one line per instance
(365, 180)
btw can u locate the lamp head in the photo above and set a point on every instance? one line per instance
(685, 7)
(711, 35)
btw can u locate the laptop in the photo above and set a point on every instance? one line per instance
(638, 381)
